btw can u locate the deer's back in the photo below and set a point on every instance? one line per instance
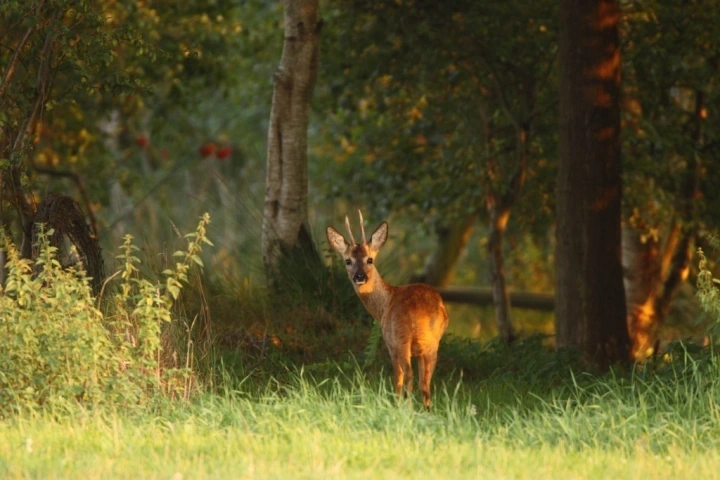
(416, 314)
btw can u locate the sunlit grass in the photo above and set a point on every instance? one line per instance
(344, 425)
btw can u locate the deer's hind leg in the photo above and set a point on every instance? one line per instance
(426, 367)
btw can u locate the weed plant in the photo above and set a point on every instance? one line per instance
(58, 349)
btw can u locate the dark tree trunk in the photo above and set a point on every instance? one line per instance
(285, 224)
(590, 299)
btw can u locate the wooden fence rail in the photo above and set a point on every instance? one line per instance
(482, 296)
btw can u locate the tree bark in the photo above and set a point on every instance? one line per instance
(590, 299)
(451, 242)
(652, 278)
(642, 278)
(285, 222)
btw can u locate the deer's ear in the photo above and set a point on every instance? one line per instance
(337, 241)
(379, 236)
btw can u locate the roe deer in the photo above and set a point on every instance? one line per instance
(412, 317)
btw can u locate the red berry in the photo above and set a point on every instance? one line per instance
(142, 141)
(207, 149)
(223, 153)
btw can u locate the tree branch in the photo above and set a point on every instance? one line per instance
(16, 54)
(41, 92)
(10, 71)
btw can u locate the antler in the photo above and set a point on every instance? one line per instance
(362, 227)
(347, 225)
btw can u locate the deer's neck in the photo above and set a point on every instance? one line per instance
(375, 295)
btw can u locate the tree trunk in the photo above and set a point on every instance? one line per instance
(501, 298)
(499, 207)
(451, 242)
(678, 273)
(285, 224)
(651, 278)
(25, 207)
(642, 279)
(676, 264)
(590, 299)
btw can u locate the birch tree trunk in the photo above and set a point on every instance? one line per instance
(642, 278)
(285, 223)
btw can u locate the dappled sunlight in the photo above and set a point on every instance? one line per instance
(429, 114)
(642, 327)
(601, 97)
(608, 14)
(607, 133)
(608, 69)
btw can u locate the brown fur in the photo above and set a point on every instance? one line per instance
(412, 317)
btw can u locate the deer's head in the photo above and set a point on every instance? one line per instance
(359, 257)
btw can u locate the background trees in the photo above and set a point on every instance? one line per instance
(135, 90)
(437, 112)
(669, 139)
(442, 114)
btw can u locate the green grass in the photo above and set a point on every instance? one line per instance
(661, 422)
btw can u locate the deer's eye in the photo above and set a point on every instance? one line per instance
(348, 261)
(369, 261)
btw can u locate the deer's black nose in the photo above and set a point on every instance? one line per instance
(360, 277)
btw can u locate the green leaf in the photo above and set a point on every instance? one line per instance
(174, 291)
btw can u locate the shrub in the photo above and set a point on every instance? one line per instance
(708, 292)
(58, 348)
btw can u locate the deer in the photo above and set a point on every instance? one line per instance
(412, 317)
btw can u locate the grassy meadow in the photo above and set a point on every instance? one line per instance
(139, 386)
(658, 422)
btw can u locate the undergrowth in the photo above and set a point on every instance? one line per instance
(59, 348)
(707, 290)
